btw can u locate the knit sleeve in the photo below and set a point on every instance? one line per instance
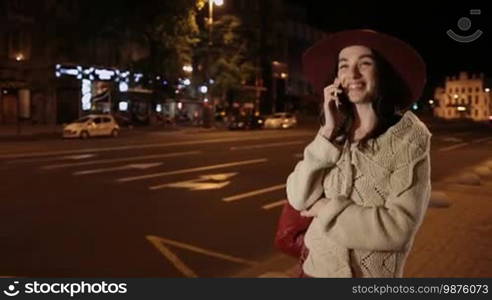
(304, 184)
(383, 228)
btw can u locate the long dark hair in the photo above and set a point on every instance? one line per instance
(391, 90)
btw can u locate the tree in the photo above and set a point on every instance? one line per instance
(165, 29)
(225, 56)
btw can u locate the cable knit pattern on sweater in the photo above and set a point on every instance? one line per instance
(376, 200)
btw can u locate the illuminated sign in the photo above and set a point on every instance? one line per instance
(86, 94)
(104, 74)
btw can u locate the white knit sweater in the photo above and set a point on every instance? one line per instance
(376, 200)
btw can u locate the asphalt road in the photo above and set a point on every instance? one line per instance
(154, 204)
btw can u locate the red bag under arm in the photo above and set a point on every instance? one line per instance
(290, 231)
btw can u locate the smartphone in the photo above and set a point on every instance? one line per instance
(343, 109)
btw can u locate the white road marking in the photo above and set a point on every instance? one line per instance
(127, 167)
(147, 146)
(160, 243)
(254, 193)
(451, 139)
(266, 145)
(117, 160)
(274, 204)
(71, 157)
(482, 140)
(175, 260)
(191, 170)
(199, 184)
(453, 147)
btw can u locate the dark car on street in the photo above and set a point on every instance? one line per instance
(247, 123)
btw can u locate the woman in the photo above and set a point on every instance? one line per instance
(365, 178)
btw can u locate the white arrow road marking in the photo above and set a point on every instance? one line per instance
(72, 157)
(254, 193)
(127, 167)
(199, 184)
(162, 243)
(266, 145)
(184, 171)
(117, 160)
(274, 204)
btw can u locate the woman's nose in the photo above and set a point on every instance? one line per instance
(354, 72)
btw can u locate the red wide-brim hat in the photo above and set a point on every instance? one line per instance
(320, 61)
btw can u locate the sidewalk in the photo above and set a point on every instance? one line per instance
(29, 132)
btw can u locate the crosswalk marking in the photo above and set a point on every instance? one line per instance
(254, 193)
(184, 171)
(117, 160)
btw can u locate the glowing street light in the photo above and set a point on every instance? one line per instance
(188, 68)
(203, 89)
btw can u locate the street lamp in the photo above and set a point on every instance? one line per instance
(211, 16)
(210, 28)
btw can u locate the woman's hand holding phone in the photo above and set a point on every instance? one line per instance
(331, 106)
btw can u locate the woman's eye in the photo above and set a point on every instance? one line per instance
(367, 63)
(342, 67)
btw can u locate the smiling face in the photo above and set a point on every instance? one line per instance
(357, 73)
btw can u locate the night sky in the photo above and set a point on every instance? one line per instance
(422, 26)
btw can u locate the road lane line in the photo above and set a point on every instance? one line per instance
(453, 147)
(482, 140)
(161, 240)
(191, 170)
(175, 260)
(254, 193)
(121, 168)
(118, 160)
(157, 145)
(260, 146)
(451, 139)
(71, 157)
(274, 204)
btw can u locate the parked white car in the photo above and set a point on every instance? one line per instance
(281, 120)
(92, 125)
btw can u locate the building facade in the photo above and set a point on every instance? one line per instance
(466, 96)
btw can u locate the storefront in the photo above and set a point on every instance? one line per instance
(103, 90)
